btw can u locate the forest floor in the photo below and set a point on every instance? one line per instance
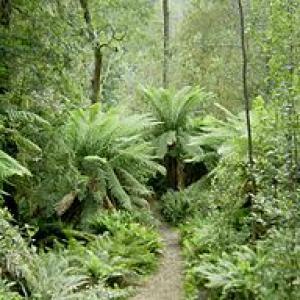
(166, 283)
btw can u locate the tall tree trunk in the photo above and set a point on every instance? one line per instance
(96, 82)
(245, 83)
(166, 16)
(292, 11)
(250, 185)
(98, 56)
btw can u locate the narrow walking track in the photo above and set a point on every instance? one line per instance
(166, 284)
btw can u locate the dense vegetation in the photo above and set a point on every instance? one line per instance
(89, 139)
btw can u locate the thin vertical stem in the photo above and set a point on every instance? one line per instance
(166, 16)
(245, 83)
(291, 10)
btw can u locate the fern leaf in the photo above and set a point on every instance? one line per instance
(9, 167)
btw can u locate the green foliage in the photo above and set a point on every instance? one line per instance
(229, 137)
(9, 167)
(109, 148)
(105, 267)
(13, 249)
(268, 272)
(114, 221)
(126, 250)
(57, 275)
(231, 249)
(98, 158)
(240, 234)
(51, 276)
(176, 207)
(173, 112)
(6, 293)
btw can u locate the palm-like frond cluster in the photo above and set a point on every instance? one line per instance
(174, 112)
(110, 150)
(228, 136)
(224, 136)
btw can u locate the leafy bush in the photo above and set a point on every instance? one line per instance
(9, 167)
(14, 252)
(117, 220)
(52, 276)
(269, 271)
(105, 267)
(246, 245)
(6, 293)
(178, 206)
(125, 251)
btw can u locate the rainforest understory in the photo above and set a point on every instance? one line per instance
(149, 150)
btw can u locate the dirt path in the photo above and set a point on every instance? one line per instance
(166, 284)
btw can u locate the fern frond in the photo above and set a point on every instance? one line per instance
(163, 141)
(117, 189)
(25, 144)
(21, 116)
(10, 167)
(131, 184)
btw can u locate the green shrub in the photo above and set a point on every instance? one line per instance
(268, 271)
(104, 267)
(206, 238)
(176, 207)
(6, 293)
(116, 220)
(179, 206)
(125, 250)
(52, 276)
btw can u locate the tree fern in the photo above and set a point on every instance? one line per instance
(173, 112)
(110, 149)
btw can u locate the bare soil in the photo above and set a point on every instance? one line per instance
(166, 284)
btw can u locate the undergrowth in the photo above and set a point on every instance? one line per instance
(119, 252)
(244, 244)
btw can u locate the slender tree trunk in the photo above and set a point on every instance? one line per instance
(166, 16)
(96, 82)
(245, 83)
(292, 11)
(98, 56)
